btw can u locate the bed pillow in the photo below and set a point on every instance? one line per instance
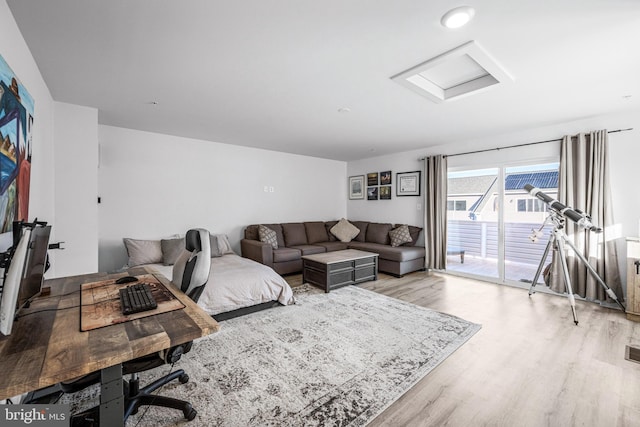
(345, 231)
(399, 236)
(143, 251)
(267, 235)
(219, 245)
(171, 250)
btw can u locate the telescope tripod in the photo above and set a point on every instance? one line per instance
(558, 239)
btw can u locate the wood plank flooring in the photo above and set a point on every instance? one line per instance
(529, 365)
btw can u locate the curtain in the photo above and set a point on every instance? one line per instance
(583, 184)
(435, 212)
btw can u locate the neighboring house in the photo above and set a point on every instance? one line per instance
(475, 198)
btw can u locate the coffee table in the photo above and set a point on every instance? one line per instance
(331, 270)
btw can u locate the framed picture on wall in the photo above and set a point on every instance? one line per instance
(372, 178)
(372, 193)
(356, 187)
(385, 178)
(408, 183)
(385, 192)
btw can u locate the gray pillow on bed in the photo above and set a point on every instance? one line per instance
(171, 250)
(143, 251)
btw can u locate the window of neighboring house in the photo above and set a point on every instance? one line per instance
(531, 205)
(456, 205)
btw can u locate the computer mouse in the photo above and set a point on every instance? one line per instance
(126, 279)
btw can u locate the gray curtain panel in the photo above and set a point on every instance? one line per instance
(435, 212)
(583, 184)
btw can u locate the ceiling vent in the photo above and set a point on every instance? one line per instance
(459, 72)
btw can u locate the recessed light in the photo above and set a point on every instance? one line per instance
(344, 110)
(457, 17)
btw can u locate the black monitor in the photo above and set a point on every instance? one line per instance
(35, 265)
(25, 274)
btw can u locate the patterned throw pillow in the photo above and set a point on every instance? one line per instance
(399, 236)
(344, 230)
(267, 235)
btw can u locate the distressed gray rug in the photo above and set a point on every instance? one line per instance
(336, 359)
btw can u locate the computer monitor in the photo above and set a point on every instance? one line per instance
(25, 274)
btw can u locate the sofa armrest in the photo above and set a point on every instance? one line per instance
(257, 251)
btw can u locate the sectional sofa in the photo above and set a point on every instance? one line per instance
(296, 239)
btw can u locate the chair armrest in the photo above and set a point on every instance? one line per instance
(257, 251)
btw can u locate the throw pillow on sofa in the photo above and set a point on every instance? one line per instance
(399, 236)
(267, 235)
(345, 231)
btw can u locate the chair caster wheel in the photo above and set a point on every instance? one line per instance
(184, 378)
(191, 415)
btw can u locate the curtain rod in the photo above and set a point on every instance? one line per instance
(519, 145)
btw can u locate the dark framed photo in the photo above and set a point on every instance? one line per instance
(356, 187)
(372, 178)
(385, 178)
(385, 192)
(372, 193)
(408, 183)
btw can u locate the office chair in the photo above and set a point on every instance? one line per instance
(190, 274)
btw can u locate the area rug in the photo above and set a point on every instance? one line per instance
(336, 359)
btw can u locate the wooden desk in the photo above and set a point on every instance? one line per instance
(47, 347)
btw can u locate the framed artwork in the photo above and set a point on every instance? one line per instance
(16, 122)
(408, 183)
(372, 193)
(385, 192)
(372, 178)
(385, 178)
(356, 187)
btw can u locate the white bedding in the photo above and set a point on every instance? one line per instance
(237, 282)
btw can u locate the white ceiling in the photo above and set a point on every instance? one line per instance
(273, 74)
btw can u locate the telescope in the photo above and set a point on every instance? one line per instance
(574, 215)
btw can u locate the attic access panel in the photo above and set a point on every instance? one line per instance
(459, 72)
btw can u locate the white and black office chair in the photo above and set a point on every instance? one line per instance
(190, 274)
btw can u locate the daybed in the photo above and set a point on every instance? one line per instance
(236, 285)
(283, 252)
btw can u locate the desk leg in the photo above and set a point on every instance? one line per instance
(111, 396)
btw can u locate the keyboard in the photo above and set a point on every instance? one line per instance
(137, 298)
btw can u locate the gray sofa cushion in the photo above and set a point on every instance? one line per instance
(399, 254)
(316, 232)
(310, 249)
(362, 225)
(286, 254)
(333, 246)
(378, 233)
(294, 234)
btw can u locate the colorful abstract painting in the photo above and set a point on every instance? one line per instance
(16, 121)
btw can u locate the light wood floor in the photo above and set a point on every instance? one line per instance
(529, 365)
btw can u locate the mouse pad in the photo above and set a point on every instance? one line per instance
(100, 302)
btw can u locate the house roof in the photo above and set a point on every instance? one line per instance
(485, 184)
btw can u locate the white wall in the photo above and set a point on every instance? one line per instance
(154, 186)
(76, 188)
(17, 55)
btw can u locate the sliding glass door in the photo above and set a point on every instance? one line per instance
(496, 228)
(472, 222)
